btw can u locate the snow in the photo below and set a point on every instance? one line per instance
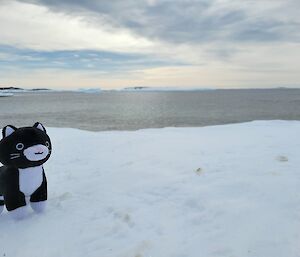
(89, 90)
(220, 191)
(4, 94)
(139, 89)
(164, 89)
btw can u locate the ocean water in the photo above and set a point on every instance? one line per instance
(138, 110)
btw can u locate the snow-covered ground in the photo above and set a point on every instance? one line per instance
(222, 191)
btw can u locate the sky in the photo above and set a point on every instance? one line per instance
(68, 44)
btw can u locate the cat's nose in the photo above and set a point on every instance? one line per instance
(39, 148)
(36, 152)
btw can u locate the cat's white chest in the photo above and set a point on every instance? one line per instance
(30, 179)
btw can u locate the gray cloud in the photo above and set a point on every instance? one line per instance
(190, 21)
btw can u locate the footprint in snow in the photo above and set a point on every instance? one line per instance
(282, 158)
(124, 217)
(60, 198)
(199, 171)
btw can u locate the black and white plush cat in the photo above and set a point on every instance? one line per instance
(23, 152)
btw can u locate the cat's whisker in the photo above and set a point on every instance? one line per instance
(14, 154)
(14, 157)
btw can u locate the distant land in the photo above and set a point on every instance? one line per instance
(13, 89)
(153, 89)
(22, 89)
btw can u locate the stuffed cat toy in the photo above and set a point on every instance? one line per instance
(23, 152)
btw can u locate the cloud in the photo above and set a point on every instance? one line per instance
(182, 30)
(101, 61)
(192, 21)
(32, 26)
(150, 42)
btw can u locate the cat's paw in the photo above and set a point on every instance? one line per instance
(19, 213)
(1, 208)
(38, 207)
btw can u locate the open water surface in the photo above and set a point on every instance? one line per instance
(138, 110)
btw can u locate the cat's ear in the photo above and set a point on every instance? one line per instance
(39, 126)
(8, 130)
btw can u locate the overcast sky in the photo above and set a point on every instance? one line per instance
(121, 43)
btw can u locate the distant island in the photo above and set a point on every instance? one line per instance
(10, 91)
(22, 89)
(40, 89)
(166, 89)
(135, 88)
(11, 88)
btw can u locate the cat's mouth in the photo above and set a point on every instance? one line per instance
(36, 152)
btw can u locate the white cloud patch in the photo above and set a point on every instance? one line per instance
(26, 25)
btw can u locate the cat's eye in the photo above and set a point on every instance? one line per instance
(47, 144)
(19, 146)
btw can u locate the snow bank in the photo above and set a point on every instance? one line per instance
(229, 191)
(3, 94)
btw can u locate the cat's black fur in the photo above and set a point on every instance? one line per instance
(16, 147)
